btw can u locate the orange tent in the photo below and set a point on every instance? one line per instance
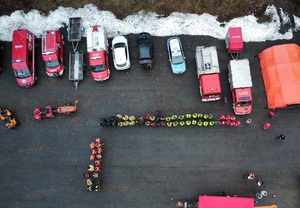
(280, 66)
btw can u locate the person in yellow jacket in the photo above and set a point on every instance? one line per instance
(169, 124)
(181, 117)
(175, 123)
(199, 123)
(194, 122)
(181, 123)
(188, 122)
(174, 117)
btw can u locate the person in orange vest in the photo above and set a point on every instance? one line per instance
(92, 157)
(94, 151)
(98, 140)
(97, 169)
(100, 150)
(98, 156)
(98, 162)
(92, 145)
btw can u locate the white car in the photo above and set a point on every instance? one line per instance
(120, 53)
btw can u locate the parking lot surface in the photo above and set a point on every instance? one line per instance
(42, 162)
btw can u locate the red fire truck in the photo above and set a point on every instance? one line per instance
(53, 52)
(23, 57)
(97, 47)
(208, 73)
(239, 75)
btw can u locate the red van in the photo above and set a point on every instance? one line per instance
(53, 52)
(23, 57)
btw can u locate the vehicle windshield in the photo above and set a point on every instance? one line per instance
(145, 52)
(22, 73)
(119, 45)
(177, 59)
(243, 104)
(212, 95)
(52, 63)
(99, 68)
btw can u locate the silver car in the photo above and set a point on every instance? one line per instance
(176, 55)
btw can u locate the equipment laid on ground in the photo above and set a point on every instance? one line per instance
(97, 48)
(239, 75)
(48, 111)
(234, 41)
(9, 118)
(208, 73)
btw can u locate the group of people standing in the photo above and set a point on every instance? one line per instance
(194, 119)
(93, 175)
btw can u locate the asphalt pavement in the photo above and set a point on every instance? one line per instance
(42, 162)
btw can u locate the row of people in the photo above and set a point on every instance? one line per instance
(92, 176)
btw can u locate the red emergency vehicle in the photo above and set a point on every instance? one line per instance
(23, 57)
(208, 73)
(97, 47)
(234, 41)
(239, 76)
(53, 52)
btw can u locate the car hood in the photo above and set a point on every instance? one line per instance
(178, 68)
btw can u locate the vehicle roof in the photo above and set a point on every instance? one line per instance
(96, 38)
(175, 46)
(49, 41)
(240, 73)
(211, 82)
(207, 60)
(120, 55)
(20, 44)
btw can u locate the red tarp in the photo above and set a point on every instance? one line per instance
(225, 202)
(280, 67)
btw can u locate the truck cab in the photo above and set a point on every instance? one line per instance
(97, 47)
(239, 75)
(23, 57)
(208, 72)
(242, 101)
(53, 52)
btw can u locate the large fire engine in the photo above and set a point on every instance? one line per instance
(53, 52)
(23, 57)
(97, 48)
(239, 75)
(208, 73)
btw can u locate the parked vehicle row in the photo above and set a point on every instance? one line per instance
(208, 71)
